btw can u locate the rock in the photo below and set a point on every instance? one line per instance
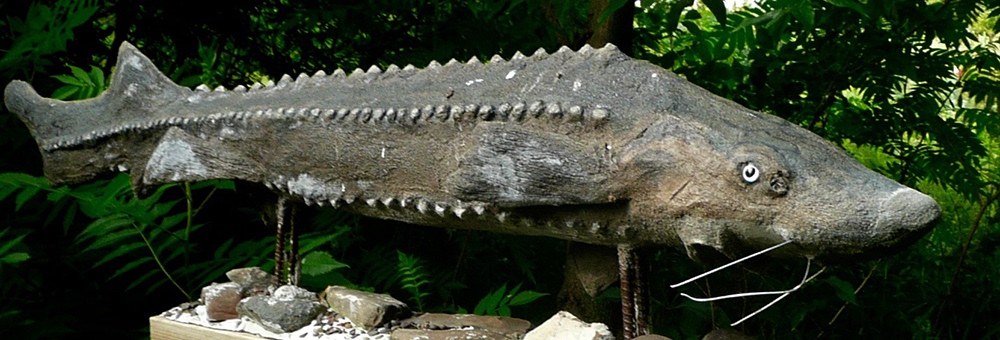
(513, 327)
(280, 315)
(564, 325)
(726, 334)
(289, 292)
(221, 299)
(651, 337)
(253, 280)
(450, 334)
(366, 310)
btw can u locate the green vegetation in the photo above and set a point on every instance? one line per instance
(911, 88)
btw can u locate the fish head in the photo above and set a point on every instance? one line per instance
(733, 184)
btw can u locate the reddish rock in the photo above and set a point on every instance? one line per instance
(221, 299)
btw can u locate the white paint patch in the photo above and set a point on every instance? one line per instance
(576, 85)
(511, 74)
(468, 83)
(655, 75)
(135, 62)
(894, 193)
(226, 132)
(174, 159)
(307, 186)
(131, 89)
(383, 152)
(538, 79)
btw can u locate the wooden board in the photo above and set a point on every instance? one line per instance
(162, 329)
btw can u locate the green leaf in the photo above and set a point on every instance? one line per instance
(129, 266)
(173, 220)
(70, 80)
(843, 289)
(8, 245)
(526, 297)
(857, 7)
(24, 196)
(718, 8)
(98, 76)
(319, 263)
(119, 252)
(15, 258)
(81, 75)
(674, 13)
(65, 92)
(110, 239)
(804, 14)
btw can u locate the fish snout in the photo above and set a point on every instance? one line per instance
(906, 211)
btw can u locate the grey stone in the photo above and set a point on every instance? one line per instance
(564, 325)
(289, 292)
(513, 327)
(366, 310)
(221, 300)
(253, 280)
(279, 316)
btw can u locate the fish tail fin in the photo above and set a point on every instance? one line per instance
(137, 93)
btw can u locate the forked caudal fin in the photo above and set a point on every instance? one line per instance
(137, 93)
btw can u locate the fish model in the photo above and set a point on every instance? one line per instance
(589, 145)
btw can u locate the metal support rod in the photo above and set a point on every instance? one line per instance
(279, 242)
(293, 244)
(628, 302)
(634, 301)
(639, 267)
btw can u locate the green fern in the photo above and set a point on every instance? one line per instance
(44, 31)
(80, 84)
(135, 234)
(413, 278)
(9, 253)
(498, 302)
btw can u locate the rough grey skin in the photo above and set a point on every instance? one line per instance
(590, 146)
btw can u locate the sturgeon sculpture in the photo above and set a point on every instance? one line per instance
(589, 145)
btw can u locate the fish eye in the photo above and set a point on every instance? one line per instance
(750, 173)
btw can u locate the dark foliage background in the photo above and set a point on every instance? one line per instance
(910, 88)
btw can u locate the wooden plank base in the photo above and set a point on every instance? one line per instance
(161, 328)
